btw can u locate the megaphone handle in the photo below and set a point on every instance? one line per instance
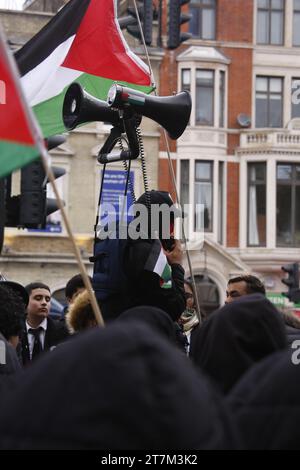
(116, 156)
(107, 156)
(133, 142)
(115, 134)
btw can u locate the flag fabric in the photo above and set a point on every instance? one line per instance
(17, 133)
(82, 43)
(157, 262)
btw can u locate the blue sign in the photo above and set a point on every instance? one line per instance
(113, 201)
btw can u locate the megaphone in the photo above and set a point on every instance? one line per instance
(171, 112)
(80, 107)
(55, 141)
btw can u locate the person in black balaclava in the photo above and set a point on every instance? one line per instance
(236, 337)
(121, 387)
(145, 286)
(266, 403)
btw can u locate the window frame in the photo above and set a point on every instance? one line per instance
(293, 183)
(271, 10)
(296, 11)
(256, 183)
(210, 229)
(217, 70)
(211, 87)
(201, 6)
(268, 92)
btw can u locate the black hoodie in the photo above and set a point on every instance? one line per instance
(122, 387)
(237, 336)
(266, 403)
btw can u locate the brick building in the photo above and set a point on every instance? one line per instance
(240, 155)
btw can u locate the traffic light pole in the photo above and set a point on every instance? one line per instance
(2, 212)
(160, 19)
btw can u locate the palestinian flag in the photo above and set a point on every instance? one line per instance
(157, 262)
(82, 43)
(17, 133)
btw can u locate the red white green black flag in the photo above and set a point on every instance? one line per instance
(82, 43)
(18, 133)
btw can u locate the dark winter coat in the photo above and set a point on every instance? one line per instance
(266, 403)
(120, 387)
(235, 337)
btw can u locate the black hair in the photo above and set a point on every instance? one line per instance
(189, 283)
(254, 285)
(76, 282)
(12, 312)
(36, 285)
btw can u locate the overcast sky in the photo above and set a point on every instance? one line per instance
(13, 4)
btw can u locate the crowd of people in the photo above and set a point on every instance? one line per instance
(156, 376)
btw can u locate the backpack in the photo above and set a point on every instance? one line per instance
(109, 278)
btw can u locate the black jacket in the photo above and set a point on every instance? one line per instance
(120, 387)
(56, 333)
(232, 339)
(144, 287)
(266, 403)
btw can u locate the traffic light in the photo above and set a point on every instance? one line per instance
(31, 208)
(176, 19)
(292, 281)
(34, 204)
(146, 13)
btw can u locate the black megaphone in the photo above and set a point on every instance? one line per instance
(80, 107)
(171, 112)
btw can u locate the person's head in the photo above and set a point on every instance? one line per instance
(237, 336)
(189, 294)
(160, 218)
(17, 288)
(39, 302)
(81, 316)
(243, 285)
(12, 314)
(74, 287)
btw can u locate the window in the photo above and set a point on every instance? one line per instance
(295, 98)
(288, 204)
(222, 100)
(257, 204)
(296, 23)
(186, 79)
(203, 196)
(203, 21)
(270, 21)
(269, 102)
(220, 202)
(184, 182)
(205, 97)
(208, 88)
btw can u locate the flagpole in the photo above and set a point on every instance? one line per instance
(39, 141)
(83, 272)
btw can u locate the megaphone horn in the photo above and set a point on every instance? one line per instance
(80, 107)
(171, 112)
